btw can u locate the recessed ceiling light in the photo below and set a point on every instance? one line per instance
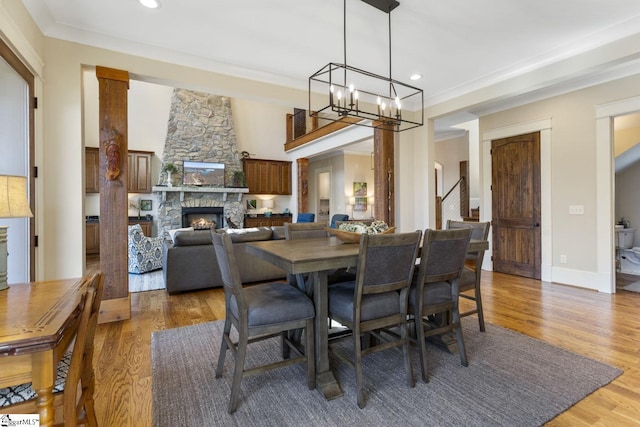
(151, 4)
(416, 76)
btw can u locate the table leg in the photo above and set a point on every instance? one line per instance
(325, 380)
(43, 380)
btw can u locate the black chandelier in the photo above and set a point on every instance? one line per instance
(352, 92)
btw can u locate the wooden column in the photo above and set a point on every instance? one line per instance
(113, 86)
(303, 185)
(383, 174)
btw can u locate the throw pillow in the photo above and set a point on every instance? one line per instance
(172, 233)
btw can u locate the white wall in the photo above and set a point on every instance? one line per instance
(449, 153)
(628, 198)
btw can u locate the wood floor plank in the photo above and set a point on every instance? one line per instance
(600, 326)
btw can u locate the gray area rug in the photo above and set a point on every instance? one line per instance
(150, 281)
(512, 380)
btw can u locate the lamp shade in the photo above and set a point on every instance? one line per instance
(13, 197)
(267, 203)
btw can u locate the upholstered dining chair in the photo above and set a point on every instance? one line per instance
(75, 382)
(434, 290)
(377, 299)
(259, 312)
(337, 217)
(306, 217)
(470, 278)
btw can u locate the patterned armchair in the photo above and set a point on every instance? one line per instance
(145, 253)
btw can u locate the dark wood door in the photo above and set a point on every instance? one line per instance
(515, 165)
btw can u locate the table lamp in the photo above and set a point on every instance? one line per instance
(13, 204)
(268, 205)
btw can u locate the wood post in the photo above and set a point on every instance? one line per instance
(383, 174)
(303, 185)
(113, 86)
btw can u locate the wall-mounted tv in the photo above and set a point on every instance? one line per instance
(204, 174)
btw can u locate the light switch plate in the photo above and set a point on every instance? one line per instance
(576, 209)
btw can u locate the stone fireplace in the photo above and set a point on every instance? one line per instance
(200, 128)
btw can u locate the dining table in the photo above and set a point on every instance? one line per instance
(38, 322)
(315, 258)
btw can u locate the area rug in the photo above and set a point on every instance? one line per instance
(511, 380)
(633, 287)
(150, 281)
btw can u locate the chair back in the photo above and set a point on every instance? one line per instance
(337, 217)
(223, 247)
(386, 262)
(479, 231)
(443, 254)
(307, 230)
(81, 366)
(306, 217)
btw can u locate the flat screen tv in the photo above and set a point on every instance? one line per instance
(204, 174)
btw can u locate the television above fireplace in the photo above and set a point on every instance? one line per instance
(203, 174)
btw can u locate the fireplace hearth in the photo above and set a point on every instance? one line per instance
(203, 218)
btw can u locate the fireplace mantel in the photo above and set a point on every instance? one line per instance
(182, 190)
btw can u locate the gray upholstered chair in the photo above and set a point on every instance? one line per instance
(305, 230)
(75, 382)
(145, 253)
(470, 279)
(260, 312)
(434, 290)
(377, 299)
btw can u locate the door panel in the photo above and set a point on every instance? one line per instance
(516, 205)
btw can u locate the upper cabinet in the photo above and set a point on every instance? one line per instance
(139, 171)
(92, 170)
(139, 176)
(268, 176)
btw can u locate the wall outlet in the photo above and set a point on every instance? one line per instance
(576, 209)
(563, 259)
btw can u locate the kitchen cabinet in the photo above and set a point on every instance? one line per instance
(92, 238)
(267, 176)
(139, 171)
(139, 178)
(145, 224)
(91, 170)
(265, 221)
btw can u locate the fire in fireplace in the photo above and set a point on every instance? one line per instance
(203, 218)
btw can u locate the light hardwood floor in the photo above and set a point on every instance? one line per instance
(600, 326)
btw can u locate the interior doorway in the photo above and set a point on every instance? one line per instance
(16, 122)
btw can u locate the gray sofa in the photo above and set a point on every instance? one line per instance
(189, 261)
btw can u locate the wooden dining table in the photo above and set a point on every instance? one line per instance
(38, 322)
(316, 257)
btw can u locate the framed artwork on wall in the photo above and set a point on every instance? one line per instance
(146, 205)
(359, 189)
(360, 204)
(252, 204)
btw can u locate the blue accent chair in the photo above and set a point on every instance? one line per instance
(338, 217)
(306, 217)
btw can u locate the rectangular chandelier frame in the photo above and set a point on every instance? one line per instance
(375, 99)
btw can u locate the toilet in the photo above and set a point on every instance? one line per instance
(629, 254)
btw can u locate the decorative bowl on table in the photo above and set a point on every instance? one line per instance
(353, 231)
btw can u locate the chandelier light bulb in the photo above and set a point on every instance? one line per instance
(351, 88)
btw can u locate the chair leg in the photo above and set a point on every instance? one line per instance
(459, 338)
(422, 345)
(237, 374)
(89, 408)
(223, 348)
(310, 353)
(479, 308)
(358, 365)
(404, 334)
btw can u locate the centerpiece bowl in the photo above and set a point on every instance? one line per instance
(351, 236)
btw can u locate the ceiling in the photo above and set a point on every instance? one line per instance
(457, 45)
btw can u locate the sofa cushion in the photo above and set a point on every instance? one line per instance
(278, 232)
(239, 235)
(192, 238)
